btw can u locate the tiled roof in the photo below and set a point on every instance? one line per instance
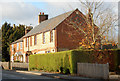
(19, 40)
(48, 24)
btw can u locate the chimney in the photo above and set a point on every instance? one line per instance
(27, 29)
(42, 17)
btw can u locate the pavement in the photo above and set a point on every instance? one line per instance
(53, 75)
(18, 74)
(60, 76)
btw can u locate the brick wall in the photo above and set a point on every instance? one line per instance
(67, 36)
(12, 56)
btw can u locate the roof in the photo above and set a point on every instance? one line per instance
(19, 40)
(48, 24)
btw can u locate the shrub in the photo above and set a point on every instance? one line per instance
(51, 61)
(66, 61)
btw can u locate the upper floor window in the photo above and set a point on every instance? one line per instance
(51, 36)
(21, 45)
(31, 41)
(35, 39)
(17, 46)
(43, 38)
(12, 47)
(26, 42)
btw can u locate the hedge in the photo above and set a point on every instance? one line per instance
(51, 61)
(66, 61)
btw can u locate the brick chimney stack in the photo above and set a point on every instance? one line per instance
(27, 29)
(42, 17)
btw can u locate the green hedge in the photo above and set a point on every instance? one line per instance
(51, 61)
(116, 59)
(66, 61)
(81, 57)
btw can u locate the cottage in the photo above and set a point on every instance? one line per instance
(51, 35)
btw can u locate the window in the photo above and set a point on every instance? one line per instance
(17, 46)
(51, 36)
(31, 41)
(35, 39)
(12, 47)
(16, 58)
(21, 45)
(43, 38)
(26, 42)
(47, 51)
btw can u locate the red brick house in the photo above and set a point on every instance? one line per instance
(51, 35)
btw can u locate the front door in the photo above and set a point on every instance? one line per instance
(27, 58)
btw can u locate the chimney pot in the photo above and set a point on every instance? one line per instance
(43, 13)
(42, 17)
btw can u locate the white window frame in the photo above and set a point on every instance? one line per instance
(27, 42)
(47, 51)
(17, 46)
(16, 58)
(21, 45)
(51, 36)
(43, 38)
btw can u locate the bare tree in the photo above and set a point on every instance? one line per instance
(98, 22)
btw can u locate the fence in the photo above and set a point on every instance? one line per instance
(93, 70)
(7, 65)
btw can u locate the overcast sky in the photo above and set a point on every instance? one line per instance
(26, 12)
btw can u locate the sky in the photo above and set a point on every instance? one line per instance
(26, 12)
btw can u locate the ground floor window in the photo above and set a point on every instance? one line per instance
(16, 58)
(47, 51)
(21, 59)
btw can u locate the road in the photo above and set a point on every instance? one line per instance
(15, 76)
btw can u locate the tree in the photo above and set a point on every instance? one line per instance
(5, 36)
(9, 35)
(97, 22)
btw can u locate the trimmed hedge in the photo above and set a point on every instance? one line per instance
(51, 61)
(66, 61)
(116, 59)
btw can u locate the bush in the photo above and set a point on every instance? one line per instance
(51, 61)
(66, 61)
(3, 60)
